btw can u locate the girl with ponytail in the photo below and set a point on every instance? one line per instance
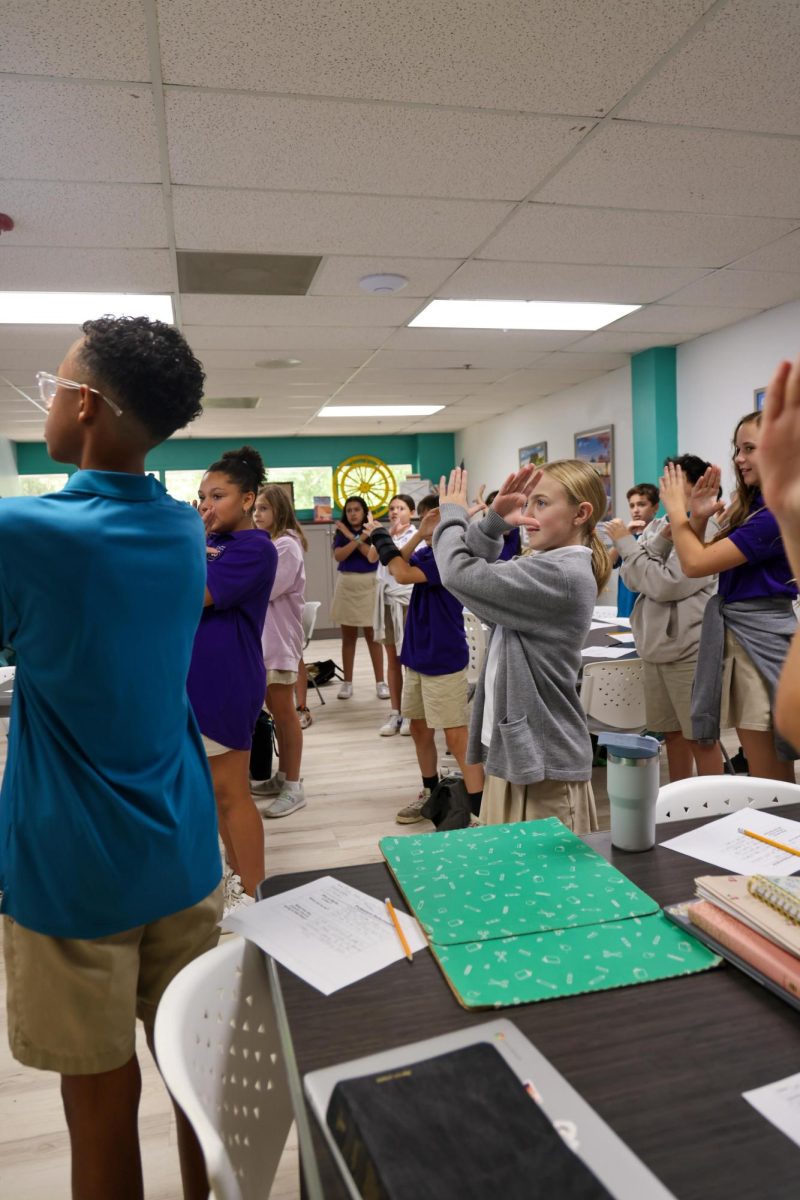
(528, 727)
(227, 677)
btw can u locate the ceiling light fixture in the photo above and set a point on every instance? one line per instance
(380, 410)
(73, 308)
(519, 314)
(383, 285)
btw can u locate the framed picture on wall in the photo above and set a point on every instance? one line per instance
(536, 455)
(759, 395)
(287, 486)
(596, 447)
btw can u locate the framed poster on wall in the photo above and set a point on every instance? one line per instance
(535, 455)
(596, 447)
(759, 396)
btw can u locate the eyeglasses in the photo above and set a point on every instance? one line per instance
(49, 385)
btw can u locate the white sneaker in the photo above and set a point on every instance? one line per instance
(405, 728)
(268, 787)
(235, 897)
(345, 691)
(287, 803)
(382, 690)
(411, 812)
(392, 726)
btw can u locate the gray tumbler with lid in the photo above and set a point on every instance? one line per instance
(633, 782)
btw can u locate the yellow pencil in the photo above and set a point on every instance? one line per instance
(769, 842)
(399, 928)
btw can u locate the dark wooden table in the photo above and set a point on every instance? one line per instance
(665, 1064)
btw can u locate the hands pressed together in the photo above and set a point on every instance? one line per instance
(509, 503)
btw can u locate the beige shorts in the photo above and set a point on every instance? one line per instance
(745, 699)
(354, 599)
(668, 696)
(573, 803)
(213, 748)
(439, 700)
(288, 678)
(73, 1002)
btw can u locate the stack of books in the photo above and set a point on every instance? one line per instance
(754, 922)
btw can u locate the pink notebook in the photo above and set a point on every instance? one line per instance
(776, 964)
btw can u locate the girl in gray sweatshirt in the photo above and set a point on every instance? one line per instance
(528, 727)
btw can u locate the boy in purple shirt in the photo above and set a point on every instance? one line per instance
(435, 655)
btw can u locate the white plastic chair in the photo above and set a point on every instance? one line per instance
(713, 795)
(612, 695)
(476, 641)
(308, 619)
(219, 1052)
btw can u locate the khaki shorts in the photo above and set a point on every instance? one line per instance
(668, 696)
(289, 678)
(439, 700)
(571, 802)
(73, 1002)
(745, 699)
(213, 748)
(354, 599)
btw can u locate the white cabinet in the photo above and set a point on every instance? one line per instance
(321, 573)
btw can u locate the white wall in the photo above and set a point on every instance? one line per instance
(9, 479)
(717, 374)
(490, 448)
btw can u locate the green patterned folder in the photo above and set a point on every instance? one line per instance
(527, 911)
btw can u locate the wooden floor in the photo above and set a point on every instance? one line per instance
(355, 781)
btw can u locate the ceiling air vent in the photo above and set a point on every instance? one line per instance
(246, 274)
(231, 401)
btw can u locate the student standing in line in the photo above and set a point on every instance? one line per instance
(666, 622)
(643, 504)
(227, 678)
(109, 863)
(354, 597)
(435, 655)
(528, 727)
(748, 625)
(779, 460)
(282, 645)
(391, 606)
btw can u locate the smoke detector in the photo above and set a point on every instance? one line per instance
(383, 285)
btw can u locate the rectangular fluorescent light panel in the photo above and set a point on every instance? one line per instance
(73, 308)
(518, 314)
(380, 410)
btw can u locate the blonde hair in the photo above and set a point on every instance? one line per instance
(584, 486)
(741, 507)
(284, 517)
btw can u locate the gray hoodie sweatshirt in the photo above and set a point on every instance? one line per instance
(541, 607)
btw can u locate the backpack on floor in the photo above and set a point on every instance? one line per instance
(448, 804)
(262, 747)
(324, 671)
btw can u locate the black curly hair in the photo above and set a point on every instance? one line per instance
(147, 367)
(244, 467)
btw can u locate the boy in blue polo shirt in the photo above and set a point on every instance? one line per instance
(435, 655)
(109, 862)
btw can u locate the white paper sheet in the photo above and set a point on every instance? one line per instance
(327, 932)
(720, 843)
(603, 625)
(624, 639)
(779, 1103)
(604, 651)
(623, 622)
(605, 612)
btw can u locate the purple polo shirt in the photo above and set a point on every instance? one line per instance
(434, 642)
(227, 678)
(512, 545)
(767, 571)
(356, 564)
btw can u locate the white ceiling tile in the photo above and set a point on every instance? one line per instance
(782, 255)
(570, 234)
(467, 341)
(298, 223)
(84, 214)
(78, 131)
(628, 343)
(695, 170)
(222, 139)
(675, 318)
(288, 341)
(338, 275)
(562, 56)
(481, 280)
(502, 356)
(310, 360)
(38, 268)
(296, 310)
(741, 289)
(75, 37)
(446, 377)
(718, 77)
(597, 361)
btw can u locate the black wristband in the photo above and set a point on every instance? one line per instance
(382, 541)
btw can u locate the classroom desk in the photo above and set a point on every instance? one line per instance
(600, 637)
(664, 1063)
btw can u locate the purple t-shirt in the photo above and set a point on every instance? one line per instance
(227, 678)
(767, 571)
(356, 563)
(434, 642)
(512, 545)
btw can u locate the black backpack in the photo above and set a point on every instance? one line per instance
(324, 671)
(262, 747)
(448, 804)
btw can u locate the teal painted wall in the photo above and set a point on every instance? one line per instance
(654, 411)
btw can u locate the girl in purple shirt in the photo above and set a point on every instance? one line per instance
(227, 677)
(354, 598)
(756, 590)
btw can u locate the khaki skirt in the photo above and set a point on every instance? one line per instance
(572, 802)
(354, 599)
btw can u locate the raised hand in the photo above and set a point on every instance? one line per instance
(703, 502)
(372, 524)
(513, 495)
(478, 504)
(672, 490)
(454, 489)
(428, 524)
(778, 451)
(616, 529)
(342, 528)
